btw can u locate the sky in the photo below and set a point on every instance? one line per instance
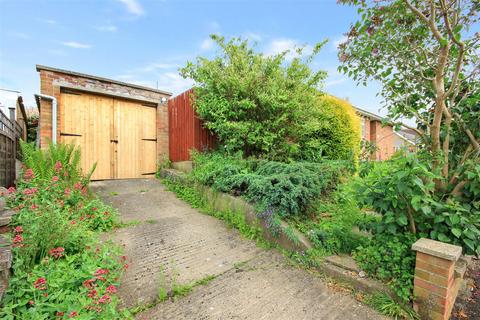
(145, 41)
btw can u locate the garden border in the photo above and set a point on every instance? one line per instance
(342, 269)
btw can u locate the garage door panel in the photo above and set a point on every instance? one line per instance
(136, 139)
(118, 135)
(85, 121)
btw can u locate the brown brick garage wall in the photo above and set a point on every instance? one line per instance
(52, 80)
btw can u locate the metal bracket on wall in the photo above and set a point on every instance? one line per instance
(70, 134)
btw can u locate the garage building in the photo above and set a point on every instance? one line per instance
(121, 127)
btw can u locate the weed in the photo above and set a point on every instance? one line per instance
(127, 224)
(387, 306)
(143, 190)
(192, 196)
(151, 221)
(113, 193)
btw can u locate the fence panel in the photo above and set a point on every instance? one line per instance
(10, 133)
(186, 130)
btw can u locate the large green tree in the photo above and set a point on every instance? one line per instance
(270, 106)
(425, 53)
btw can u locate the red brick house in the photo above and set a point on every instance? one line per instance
(387, 140)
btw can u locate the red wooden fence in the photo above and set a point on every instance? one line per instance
(186, 131)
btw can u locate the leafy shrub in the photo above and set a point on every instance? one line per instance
(266, 106)
(403, 191)
(43, 163)
(53, 233)
(285, 188)
(83, 283)
(332, 131)
(333, 224)
(390, 258)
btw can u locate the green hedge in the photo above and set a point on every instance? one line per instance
(284, 188)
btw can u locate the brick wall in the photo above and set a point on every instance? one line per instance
(383, 137)
(52, 80)
(436, 281)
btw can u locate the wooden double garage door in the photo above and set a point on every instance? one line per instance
(118, 135)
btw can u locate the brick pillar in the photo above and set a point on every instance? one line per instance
(435, 286)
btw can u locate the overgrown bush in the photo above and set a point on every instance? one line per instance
(284, 188)
(391, 259)
(332, 131)
(268, 107)
(59, 267)
(403, 191)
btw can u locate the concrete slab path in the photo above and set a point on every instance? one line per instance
(169, 241)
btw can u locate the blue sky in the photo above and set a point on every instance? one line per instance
(146, 41)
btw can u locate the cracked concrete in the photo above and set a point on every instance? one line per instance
(250, 282)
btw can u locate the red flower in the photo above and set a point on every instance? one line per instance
(73, 222)
(18, 229)
(125, 266)
(101, 278)
(33, 206)
(111, 289)
(99, 272)
(89, 283)
(40, 284)
(73, 314)
(123, 258)
(11, 190)
(58, 166)
(77, 186)
(31, 302)
(106, 213)
(45, 294)
(18, 238)
(84, 191)
(30, 191)
(28, 174)
(60, 314)
(57, 252)
(55, 178)
(67, 191)
(92, 294)
(104, 299)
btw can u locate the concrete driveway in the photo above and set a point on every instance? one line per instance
(171, 244)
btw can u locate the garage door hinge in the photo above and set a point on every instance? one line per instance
(70, 134)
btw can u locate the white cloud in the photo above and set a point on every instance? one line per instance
(108, 28)
(277, 46)
(168, 81)
(173, 82)
(338, 40)
(57, 52)
(19, 35)
(158, 66)
(334, 82)
(48, 21)
(207, 44)
(253, 36)
(76, 45)
(133, 6)
(213, 25)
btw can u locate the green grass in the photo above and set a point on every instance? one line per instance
(333, 223)
(387, 306)
(235, 220)
(128, 223)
